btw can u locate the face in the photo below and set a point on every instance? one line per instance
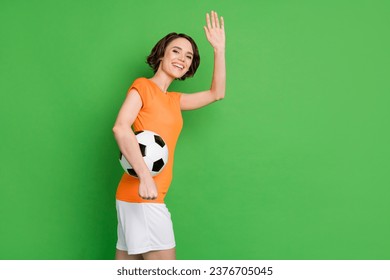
(177, 58)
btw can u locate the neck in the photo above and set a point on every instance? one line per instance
(162, 80)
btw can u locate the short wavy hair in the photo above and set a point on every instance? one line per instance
(158, 52)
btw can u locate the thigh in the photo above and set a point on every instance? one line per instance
(123, 255)
(169, 254)
(144, 227)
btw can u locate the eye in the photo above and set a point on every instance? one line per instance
(189, 57)
(175, 51)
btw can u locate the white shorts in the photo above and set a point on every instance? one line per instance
(144, 227)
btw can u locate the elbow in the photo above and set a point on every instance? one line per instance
(220, 96)
(117, 130)
(121, 130)
(217, 94)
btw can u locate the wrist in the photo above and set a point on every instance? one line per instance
(220, 50)
(144, 174)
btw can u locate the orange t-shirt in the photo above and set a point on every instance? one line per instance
(160, 113)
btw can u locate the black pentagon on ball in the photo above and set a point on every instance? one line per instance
(142, 147)
(159, 141)
(157, 165)
(132, 172)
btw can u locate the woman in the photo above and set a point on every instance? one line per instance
(144, 224)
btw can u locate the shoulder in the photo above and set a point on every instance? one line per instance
(141, 85)
(144, 88)
(141, 81)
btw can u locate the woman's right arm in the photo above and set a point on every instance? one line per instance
(128, 143)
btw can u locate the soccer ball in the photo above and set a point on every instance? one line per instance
(154, 152)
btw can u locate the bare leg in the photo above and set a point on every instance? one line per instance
(123, 255)
(169, 254)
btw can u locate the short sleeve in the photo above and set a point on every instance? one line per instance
(176, 96)
(141, 86)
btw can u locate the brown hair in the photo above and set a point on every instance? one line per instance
(158, 52)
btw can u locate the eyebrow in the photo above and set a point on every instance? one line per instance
(182, 49)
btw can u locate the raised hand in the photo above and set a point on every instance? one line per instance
(215, 31)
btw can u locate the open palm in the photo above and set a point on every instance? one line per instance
(215, 30)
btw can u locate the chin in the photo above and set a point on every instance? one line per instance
(176, 77)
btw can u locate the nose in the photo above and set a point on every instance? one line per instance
(181, 56)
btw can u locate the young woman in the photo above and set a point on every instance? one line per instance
(144, 224)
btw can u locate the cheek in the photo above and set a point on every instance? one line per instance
(189, 64)
(171, 55)
(167, 56)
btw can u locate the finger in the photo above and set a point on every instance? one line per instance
(208, 21)
(213, 20)
(207, 32)
(217, 20)
(144, 197)
(222, 23)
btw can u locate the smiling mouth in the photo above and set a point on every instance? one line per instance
(181, 67)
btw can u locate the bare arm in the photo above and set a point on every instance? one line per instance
(215, 33)
(128, 143)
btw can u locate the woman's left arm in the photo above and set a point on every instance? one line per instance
(215, 33)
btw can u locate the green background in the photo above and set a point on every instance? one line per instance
(292, 164)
